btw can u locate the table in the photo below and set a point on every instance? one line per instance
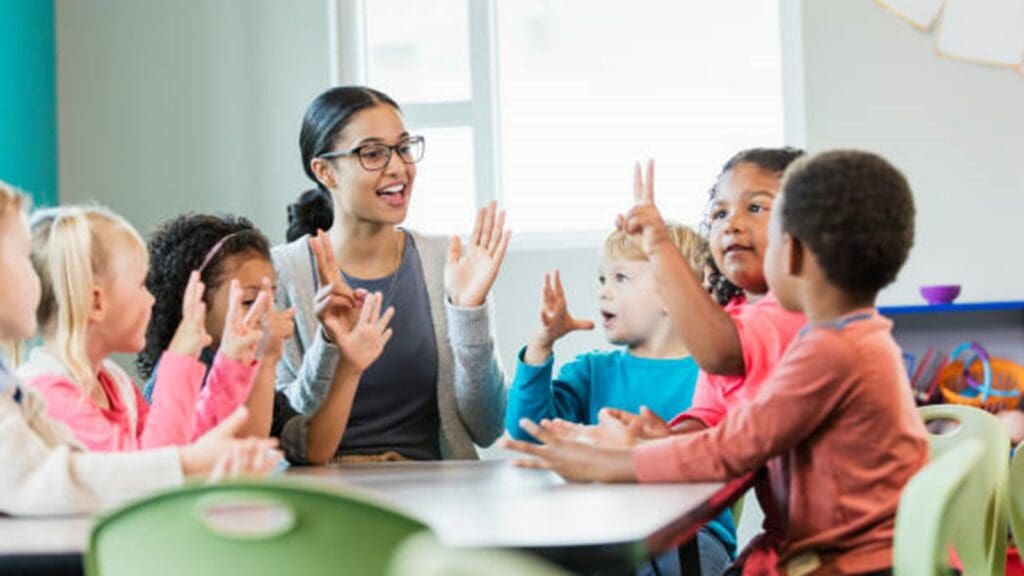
(476, 504)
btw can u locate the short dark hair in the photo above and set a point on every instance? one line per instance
(178, 247)
(771, 160)
(855, 211)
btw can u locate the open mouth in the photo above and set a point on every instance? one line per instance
(608, 317)
(394, 195)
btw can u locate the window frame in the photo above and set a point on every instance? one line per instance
(348, 60)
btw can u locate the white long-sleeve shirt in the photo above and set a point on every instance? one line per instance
(46, 472)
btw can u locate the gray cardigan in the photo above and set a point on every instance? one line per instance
(470, 381)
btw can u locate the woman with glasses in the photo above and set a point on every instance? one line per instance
(438, 386)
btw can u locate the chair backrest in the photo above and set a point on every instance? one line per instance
(929, 511)
(248, 528)
(1015, 496)
(981, 534)
(424, 555)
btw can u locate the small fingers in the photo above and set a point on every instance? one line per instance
(532, 463)
(537, 431)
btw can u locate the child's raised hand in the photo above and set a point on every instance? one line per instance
(644, 218)
(336, 304)
(555, 321)
(242, 330)
(365, 341)
(471, 270)
(191, 337)
(571, 459)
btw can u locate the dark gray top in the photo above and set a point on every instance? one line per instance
(395, 407)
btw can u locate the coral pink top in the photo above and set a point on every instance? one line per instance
(837, 428)
(765, 329)
(182, 409)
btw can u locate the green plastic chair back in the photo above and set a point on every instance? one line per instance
(981, 523)
(929, 508)
(250, 528)
(424, 555)
(737, 509)
(1015, 496)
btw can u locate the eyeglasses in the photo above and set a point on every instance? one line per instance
(376, 156)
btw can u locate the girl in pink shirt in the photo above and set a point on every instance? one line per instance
(739, 337)
(93, 267)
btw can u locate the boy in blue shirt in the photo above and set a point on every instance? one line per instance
(651, 367)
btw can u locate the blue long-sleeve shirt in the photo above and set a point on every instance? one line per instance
(606, 379)
(595, 380)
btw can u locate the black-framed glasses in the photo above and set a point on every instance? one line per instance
(375, 156)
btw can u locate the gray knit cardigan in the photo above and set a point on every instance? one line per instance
(470, 381)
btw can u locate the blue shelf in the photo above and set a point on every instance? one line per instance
(944, 308)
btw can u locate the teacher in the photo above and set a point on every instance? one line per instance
(438, 386)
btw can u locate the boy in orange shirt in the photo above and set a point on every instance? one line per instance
(836, 416)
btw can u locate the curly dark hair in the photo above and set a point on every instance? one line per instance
(771, 160)
(855, 211)
(178, 247)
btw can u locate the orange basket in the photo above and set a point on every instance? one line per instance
(1007, 376)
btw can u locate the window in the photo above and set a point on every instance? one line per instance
(527, 102)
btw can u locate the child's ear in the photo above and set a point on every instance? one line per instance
(98, 304)
(794, 256)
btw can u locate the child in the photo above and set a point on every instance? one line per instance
(45, 470)
(222, 249)
(653, 369)
(736, 346)
(229, 247)
(836, 414)
(93, 266)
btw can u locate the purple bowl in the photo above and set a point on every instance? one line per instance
(940, 293)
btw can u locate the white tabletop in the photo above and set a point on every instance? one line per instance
(467, 503)
(493, 503)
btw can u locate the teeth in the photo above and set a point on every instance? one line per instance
(397, 188)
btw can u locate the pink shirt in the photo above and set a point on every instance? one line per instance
(838, 419)
(765, 330)
(180, 412)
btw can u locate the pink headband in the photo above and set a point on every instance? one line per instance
(215, 249)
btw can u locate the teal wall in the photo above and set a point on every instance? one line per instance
(28, 98)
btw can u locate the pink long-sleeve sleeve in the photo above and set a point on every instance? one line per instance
(227, 387)
(168, 421)
(765, 330)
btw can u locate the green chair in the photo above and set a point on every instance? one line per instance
(424, 555)
(249, 528)
(981, 524)
(930, 510)
(1015, 496)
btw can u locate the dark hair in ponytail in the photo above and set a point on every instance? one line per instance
(311, 212)
(326, 117)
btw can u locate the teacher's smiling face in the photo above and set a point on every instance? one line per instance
(372, 167)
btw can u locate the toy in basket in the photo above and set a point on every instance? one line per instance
(976, 379)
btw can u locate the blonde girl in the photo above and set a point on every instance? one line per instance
(93, 267)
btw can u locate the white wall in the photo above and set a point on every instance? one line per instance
(166, 107)
(195, 105)
(955, 129)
